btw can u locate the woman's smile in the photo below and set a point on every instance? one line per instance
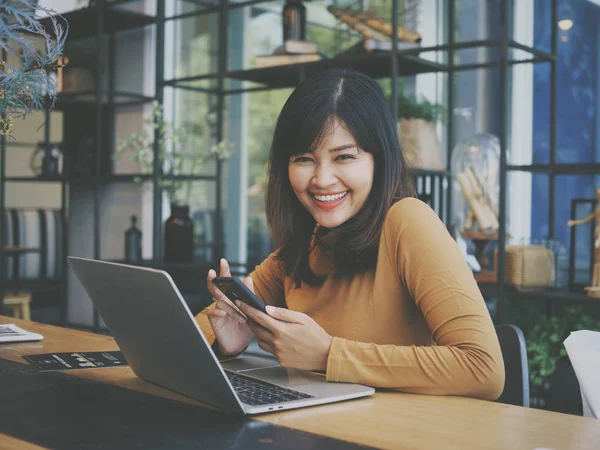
(330, 201)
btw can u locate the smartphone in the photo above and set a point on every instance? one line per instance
(234, 289)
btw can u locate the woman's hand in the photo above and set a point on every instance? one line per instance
(230, 327)
(294, 338)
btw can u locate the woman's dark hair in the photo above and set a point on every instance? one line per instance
(358, 102)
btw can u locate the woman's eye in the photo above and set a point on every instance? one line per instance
(302, 159)
(344, 157)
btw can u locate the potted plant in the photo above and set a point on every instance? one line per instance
(181, 155)
(553, 384)
(31, 85)
(418, 136)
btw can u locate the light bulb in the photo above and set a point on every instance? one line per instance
(565, 24)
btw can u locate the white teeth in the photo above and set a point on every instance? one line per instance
(330, 198)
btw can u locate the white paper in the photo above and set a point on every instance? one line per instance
(12, 333)
(583, 348)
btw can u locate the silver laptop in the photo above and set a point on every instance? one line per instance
(163, 344)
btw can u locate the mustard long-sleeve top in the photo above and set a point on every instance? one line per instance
(417, 323)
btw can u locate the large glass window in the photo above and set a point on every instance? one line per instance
(578, 112)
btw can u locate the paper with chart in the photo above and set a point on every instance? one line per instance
(12, 333)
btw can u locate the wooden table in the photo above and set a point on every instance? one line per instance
(384, 420)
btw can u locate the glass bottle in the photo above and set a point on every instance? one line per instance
(50, 162)
(294, 21)
(179, 235)
(133, 243)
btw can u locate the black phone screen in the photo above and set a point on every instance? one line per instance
(234, 289)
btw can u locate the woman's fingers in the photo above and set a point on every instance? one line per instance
(264, 345)
(216, 293)
(260, 332)
(258, 316)
(249, 283)
(214, 312)
(224, 304)
(224, 267)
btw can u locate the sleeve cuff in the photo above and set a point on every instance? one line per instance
(333, 360)
(205, 327)
(209, 334)
(221, 356)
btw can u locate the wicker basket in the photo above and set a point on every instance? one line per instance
(420, 144)
(528, 266)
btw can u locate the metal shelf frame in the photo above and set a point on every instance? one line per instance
(107, 20)
(389, 64)
(412, 64)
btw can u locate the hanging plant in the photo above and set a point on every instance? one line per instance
(28, 86)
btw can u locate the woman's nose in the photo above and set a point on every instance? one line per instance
(324, 176)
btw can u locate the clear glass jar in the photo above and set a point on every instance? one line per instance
(475, 170)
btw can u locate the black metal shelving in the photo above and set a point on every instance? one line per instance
(106, 19)
(559, 169)
(101, 21)
(105, 179)
(83, 23)
(375, 64)
(570, 295)
(120, 98)
(397, 63)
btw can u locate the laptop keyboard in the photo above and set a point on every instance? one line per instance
(256, 392)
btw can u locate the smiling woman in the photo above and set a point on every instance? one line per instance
(333, 180)
(367, 283)
(334, 110)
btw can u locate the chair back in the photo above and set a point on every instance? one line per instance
(514, 352)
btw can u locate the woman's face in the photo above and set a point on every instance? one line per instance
(334, 181)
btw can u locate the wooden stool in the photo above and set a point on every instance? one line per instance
(19, 304)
